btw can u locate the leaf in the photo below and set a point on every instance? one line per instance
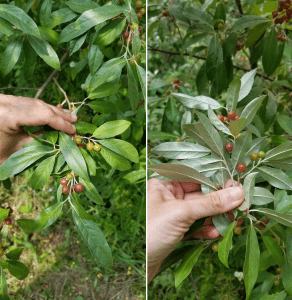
(195, 226)
(76, 44)
(17, 269)
(236, 126)
(284, 219)
(249, 188)
(200, 16)
(133, 88)
(91, 164)
(247, 81)
(262, 196)
(22, 159)
(256, 146)
(249, 21)
(287, 276)
(73, 156)
(189, 260)
(52, 136)
(111, 129)
(281, 152)
(284, 122)
(142, 78)
(277, 296)
(209, 134)
(123, 148)
(42, 173)
(95, 58)
(3, 214)
(11, 55)
(115, 160)
(85, 127)
(136, 45)
(14, 254)
(232, 95)
(216, 122)
(273, 248)
(47, 217)
(181, 173)
(3, 286)
(19, 18)
(255, 33)
(252, 259)
(275, 177)
(108, 72)
(61, 16)
(5, 27)
(45, 12)
(158, 135)
(94, 239)
(162, 29)
(105, 90)
(242, 144)
(175, 150)
(45, 51)
(81, 7)
(225, 245)
(214, 58)
(78, 208)
(91, 192)
(221, 223)
(251, 109)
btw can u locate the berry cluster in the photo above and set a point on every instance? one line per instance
(135, 59)
(284, 12)
(128, 32)
(8, 221)
(262, 224)
(176, 83)
(240, 44)
(90, 146)
(142, 10)
(231, 116)
(280, 37)
(78, 187)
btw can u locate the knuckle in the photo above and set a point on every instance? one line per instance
(216, 201)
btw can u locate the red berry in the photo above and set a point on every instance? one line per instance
(64, 181)
(231, 115)
(286, 5)
(280, 8)
(126, 35)
(225, 120)
(80, 146)
(220, 117)
(7, 221)
(65, 189)
(237, 117)
(229, 147)
(139, 15)
(165, 14)
(241, 168)
(176, 81)
(238, 47)
(275, 14)
(78, 187)
(176, 87)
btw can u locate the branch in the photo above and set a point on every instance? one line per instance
(63, 92)
(238, 4)
(204, 58)
(194, 286)
(53, 74)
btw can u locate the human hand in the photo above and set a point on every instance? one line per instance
(173, 207)
(16, 112)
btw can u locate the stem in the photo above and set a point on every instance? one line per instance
(251, 169)
(194, 286)
(63, 92)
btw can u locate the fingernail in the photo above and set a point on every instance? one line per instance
(236, 193)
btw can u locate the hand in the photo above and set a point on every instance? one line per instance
(16, 112)
(173, 207)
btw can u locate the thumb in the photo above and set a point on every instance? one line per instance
(215, 203)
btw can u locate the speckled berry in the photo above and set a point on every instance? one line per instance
(229, 147)
(261, 154)
(241, 168)
(253, 157)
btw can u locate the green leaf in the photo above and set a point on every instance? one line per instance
(256, 146)
(22, 159)
(115, 160)
(287, 276)
(181, 173)
(47, 217)
(17, 269)
(247, 81)
(111, 129)
(91, 164)
(42, 173)
(110, 32)
(105, 90)
(256, 32)
(6, 27)
(175, 150)
(3, 214)
(61, 16)
(94, 239)
(45, 12)
(232, 95)
(221, 223)
(91, 192)
(108, 72)
(142, 78)
(123, 148)
(225, 245)
(76, 44)
(277, 296)
(274, 249)
(19, 18)
(248, 189)
(252, 259)
(78, 208)
(136, 45)
(3, 286)
(162, 28)
(284, 219)
(102, 106)
(262, 196)
(249, 21)
(85, 127)
(281, 152)
(236, 126)
(52, 136)
(251, 109)
(11, 55)
(81, 7)
(216, 122)
(242, 145)
(284, 122)
(189, 260)
(275, 177)
(200, 16)
(214, 60)
(133, 88)
(95, 58)
(14, 254)
(73, 156)
(27, 225)
(158, 135)
(45, 51)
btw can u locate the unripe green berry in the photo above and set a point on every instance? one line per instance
(254, 157)
(261, 154)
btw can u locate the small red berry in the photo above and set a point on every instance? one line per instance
(231, 115)
(64, 181)
(229, 147)
(139, 15)
(237, 117)
(80, 146)
(286, 5)
(165, 14)
(65, 189)
(78, 187)
(7, 221)
(241, 168)
(126, 35)
(225, 120)
(176, 87)
(176, 81)
(238, 47)
(275, 14)
(220, 117)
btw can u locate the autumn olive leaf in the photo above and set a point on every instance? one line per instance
(289, 246)
(94, 239)
(274, 249)
(136, 45)
(262, 196)
(81, 7)
(256, 32)
(133, 88)
(285, 121)
(142, 79)
(225, 245)
(285, 219)
(232, 95)
(275, 177)
(251, 263)
(248, 189)
(191, 131)
(115, 160)
(181, 173)
(52, 136)
(158, 135)
(91, 192)
(202, 17)
(277, 296)
(235, 126)
(216, 122)
(242, 144)
(14, 254)
(73, 156)
(175, 150)
(3, 214)
(85, 127)
(17, 269)
(189, 260)
(78, 208)
(286, 267)
(105, 90)
(3, 286)
(247, 81)
(111, 129)
(281, 152)
(214, 60)
(256, 145)
(102, 106)
(5, 27)
(266, 261)
(198, 102)
(95, 58)
(248, 21)
(91, 164)
(221, 223)
(45, 12)
(251, 109)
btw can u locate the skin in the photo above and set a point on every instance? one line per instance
(173, 207)
(16, 112)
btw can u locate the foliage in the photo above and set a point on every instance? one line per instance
(218, 58)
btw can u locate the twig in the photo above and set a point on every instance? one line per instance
(150, 48)
(53, 74)
(64, 93)
(194, 286)
(85, 57)
(238, 4)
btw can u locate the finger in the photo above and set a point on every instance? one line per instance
(207, 232)
(64, 114)
(193, 195)
(157, 192)
(231, 183)
(214, 203)
(190, 187)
